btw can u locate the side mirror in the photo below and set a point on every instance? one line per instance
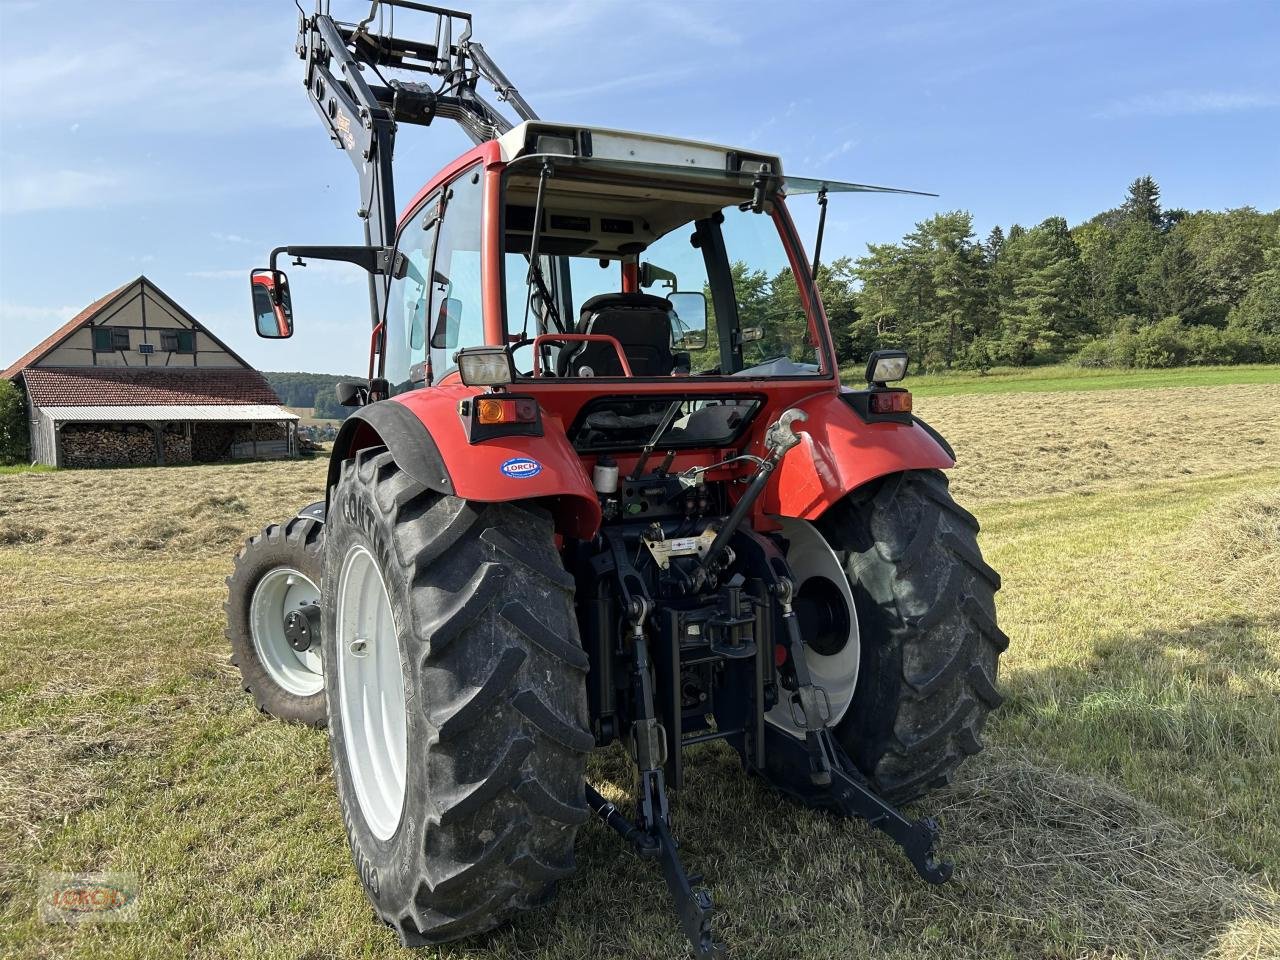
(750, 334)
(448, 322)
(272, 308)
(689, 320)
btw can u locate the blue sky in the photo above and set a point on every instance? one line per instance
(174, 138)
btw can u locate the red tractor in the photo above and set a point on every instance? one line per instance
(603, 484)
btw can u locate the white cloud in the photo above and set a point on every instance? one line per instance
(219, 274)
(837, 151)
(632, 81)
(38, 190)
(229, 237)
(24, 313)
(1174, 103)
(149, 83)
(689, 21)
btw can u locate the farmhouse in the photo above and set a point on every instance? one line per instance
(134, 379)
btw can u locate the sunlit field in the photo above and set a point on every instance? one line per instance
(1127, 805)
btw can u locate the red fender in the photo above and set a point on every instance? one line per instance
(838, 453)
(426, 435)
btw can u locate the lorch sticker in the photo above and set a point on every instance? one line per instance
(77, 897)
(521, 468)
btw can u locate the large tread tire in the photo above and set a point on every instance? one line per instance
(297, 543)
(495, 686)
(926, 611)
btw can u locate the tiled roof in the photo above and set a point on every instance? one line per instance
(174, 411)
(64, 331)
(124, 386)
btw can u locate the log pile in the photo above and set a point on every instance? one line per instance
(211, 442)
(107, 445)
(177, 445)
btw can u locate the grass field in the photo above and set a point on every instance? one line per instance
(1127, 805)
(1067, 377)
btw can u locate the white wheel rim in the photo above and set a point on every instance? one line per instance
(371, 692)
(278, 592)
(809, 556)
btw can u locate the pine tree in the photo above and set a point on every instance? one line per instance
(1143, 202)
(1045, 312)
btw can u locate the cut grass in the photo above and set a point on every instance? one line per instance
(1066, 377)
(1127, 805)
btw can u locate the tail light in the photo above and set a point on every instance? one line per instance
(495, 410)
(499, 415)
(890, 401)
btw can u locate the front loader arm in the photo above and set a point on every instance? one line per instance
(361, 117)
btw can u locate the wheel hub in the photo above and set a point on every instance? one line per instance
(824, 606)
(302, 626)
(281, 597)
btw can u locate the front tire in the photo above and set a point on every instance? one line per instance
(277, 571)
(925, 601)
(462, 786)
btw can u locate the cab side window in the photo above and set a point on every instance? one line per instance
(405, 336)
(456, 310)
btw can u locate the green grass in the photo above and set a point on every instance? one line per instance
(1065, 377)
(9, 469)
(1127, 804)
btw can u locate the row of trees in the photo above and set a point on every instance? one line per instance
(314, 390)
(1135, 285)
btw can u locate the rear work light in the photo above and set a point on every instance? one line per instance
(890, 401)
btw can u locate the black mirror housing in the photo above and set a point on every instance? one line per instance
(272, 306)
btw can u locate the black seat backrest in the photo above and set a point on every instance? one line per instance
(640, 322)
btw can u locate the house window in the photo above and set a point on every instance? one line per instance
(110, 339)
(178, 341)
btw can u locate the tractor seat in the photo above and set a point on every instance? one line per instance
(640, 322)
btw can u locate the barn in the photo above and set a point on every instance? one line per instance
(134, 379)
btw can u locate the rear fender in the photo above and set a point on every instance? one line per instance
(425, 434)
(839, 452)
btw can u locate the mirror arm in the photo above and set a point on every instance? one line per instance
(377, 260)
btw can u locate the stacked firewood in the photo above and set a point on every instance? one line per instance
(177, 446)
(212, 441)
(107, 446)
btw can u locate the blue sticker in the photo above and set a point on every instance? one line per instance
(521, 468)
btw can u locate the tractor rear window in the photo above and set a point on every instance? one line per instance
(628, 423)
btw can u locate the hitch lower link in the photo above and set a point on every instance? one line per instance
(834, 780)
(815, 770)
(650, 834)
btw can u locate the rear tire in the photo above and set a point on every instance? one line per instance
(275, 571)
(925, 602)
(495, 730)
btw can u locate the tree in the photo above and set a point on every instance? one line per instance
(1143, 203)
(1228, 250)
(1044, 312)
(1259, 309)
(14, 429)
(1170, 286)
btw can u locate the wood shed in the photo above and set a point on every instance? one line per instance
(134, 379)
